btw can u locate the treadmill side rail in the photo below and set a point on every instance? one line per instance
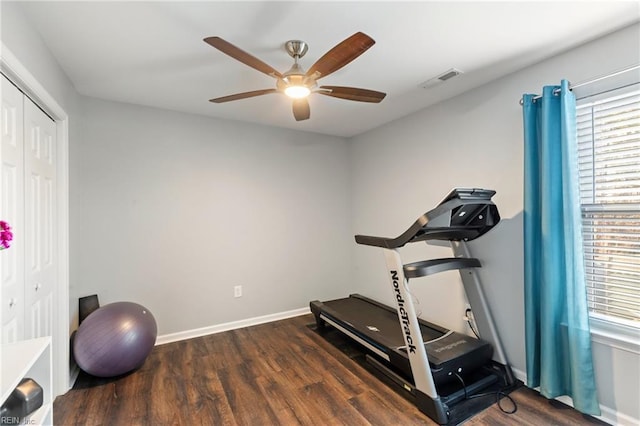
(411, 332)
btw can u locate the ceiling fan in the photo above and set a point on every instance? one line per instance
(298, 84)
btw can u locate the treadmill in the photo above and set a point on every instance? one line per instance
(421, 357)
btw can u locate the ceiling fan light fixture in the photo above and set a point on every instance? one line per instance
(297, 92)
(295, 86)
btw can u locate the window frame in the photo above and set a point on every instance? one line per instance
(609, 330)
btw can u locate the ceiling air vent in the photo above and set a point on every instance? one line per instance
(449, 74)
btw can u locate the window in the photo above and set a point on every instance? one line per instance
(609, 167)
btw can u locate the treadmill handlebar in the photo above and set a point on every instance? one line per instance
(434, 266)
(463, 215)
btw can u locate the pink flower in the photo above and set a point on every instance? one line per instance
(6, 236)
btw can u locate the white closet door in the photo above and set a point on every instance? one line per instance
(12, 300)
(40, 220)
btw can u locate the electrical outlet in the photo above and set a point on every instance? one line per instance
(237, 291)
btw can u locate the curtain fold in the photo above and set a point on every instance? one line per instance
(558, 339)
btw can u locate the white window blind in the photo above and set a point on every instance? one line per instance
(609, 168)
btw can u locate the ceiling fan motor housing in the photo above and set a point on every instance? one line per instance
(296, 48)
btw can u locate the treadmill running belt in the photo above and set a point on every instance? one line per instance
(378, 324)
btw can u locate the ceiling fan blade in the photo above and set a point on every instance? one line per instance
(242, 56)
(301, 110)
(341, 55)
(352, 93)
(243, 95)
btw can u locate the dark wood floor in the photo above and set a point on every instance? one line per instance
(281, 373)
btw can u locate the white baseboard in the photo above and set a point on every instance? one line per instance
(520, 375)
(609, 415)
(613, 417)
(219, 328)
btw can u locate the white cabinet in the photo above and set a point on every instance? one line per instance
(28, 359)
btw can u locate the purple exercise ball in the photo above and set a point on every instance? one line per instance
(115, 339)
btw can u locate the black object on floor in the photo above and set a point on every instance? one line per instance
(86, 306)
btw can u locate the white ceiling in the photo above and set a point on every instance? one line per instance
(152, 53)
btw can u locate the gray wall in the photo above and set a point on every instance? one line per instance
(27, 45)
(174, 210)
(403, 169)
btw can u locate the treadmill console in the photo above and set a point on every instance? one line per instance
(469, 194)
(463, 215)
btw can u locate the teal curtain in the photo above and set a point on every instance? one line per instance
(558, 340)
